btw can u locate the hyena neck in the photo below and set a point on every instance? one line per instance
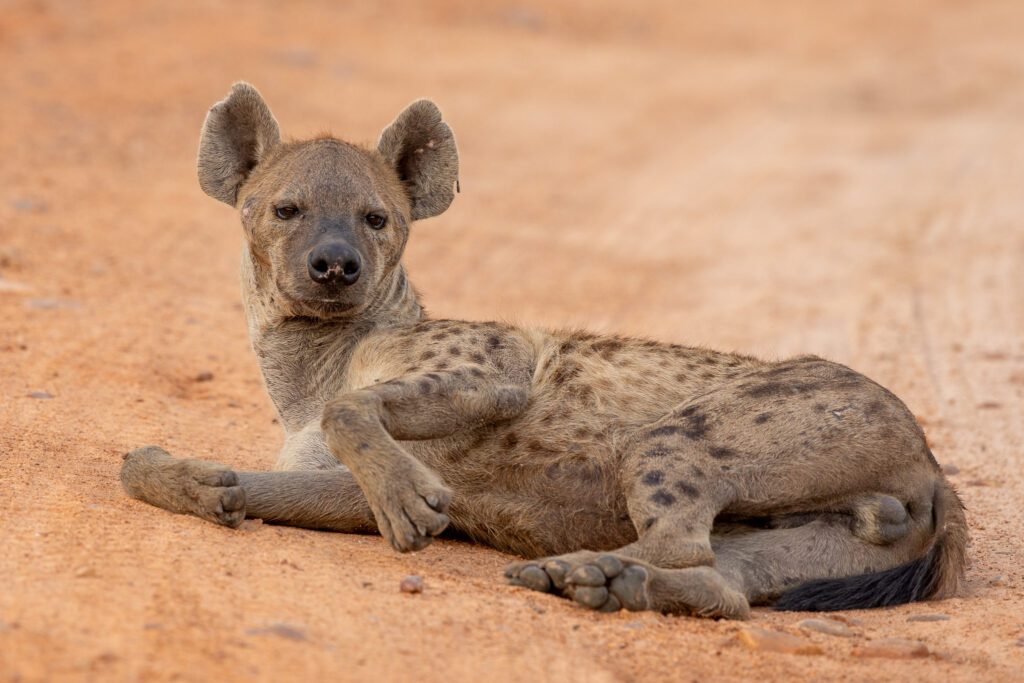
(304, 360)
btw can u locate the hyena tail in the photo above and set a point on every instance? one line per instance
(938, 573)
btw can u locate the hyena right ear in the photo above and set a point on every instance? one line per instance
(237, 134)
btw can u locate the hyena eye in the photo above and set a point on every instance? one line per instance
(376, 220)
(286, 212)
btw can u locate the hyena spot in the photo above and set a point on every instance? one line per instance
(763, 390)
(762, 418)
(874, 409)
(658, 451)
(663, 497)
(696, 426)
(721, 452)
(666, 430)
(493, 343)
(477, 357)
(566, 372)
(689, 411)
(654, 478)
(428, 354)
(687, 489)
(607, 347)
(454, 350)
(510, 440)
(649, 522)
(696, 472)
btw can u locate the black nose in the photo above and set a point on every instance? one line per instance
(334, 262)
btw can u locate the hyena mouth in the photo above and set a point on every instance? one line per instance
(332, 307)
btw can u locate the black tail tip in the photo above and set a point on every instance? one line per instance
(910, 582)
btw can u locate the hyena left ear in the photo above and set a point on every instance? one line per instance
(420, 146)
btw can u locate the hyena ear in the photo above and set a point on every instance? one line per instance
(237, 134)
(421, 148)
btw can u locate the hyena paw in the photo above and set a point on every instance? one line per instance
(598, 581)
(410, 516)
(206, 489)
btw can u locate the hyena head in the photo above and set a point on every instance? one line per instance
(325, 221)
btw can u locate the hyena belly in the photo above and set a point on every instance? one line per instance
(523, 491)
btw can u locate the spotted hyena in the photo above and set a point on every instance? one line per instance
(644, 475)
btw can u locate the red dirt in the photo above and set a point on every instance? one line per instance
(776, 178)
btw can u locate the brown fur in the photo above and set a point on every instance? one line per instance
(718, 479)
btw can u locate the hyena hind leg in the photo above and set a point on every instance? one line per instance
(756, 567)
(608, 582)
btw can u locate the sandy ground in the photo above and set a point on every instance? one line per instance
(842, 179)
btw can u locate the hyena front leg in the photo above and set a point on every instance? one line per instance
(204, 489)
(316, 499)
(362, 428)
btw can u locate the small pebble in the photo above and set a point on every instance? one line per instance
(411, 584)
(950, 470)
(29, 204)
(45, 395)
(281, 630)
(829, 627)
(14, 287)
(848, 620)
(997, 580)
(205, 376)
(52, 304)
(776, 641)
(893, 648)
(85, 573)
(929, 617)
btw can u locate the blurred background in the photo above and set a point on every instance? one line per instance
(776, 178)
